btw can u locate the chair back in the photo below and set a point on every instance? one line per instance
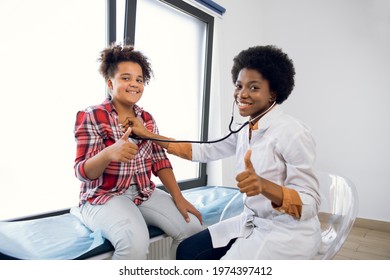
(338, 211)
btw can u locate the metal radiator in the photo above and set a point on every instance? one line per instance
(159, 249)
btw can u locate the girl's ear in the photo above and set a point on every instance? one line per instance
(109, 84)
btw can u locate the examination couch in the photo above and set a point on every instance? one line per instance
(62, 235)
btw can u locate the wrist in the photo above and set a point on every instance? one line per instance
(150, 134)
(177, 196)
(105, 155)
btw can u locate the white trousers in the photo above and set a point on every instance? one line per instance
(124, 224)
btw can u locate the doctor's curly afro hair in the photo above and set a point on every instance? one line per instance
(274, 66)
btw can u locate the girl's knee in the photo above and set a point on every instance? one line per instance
(194, 226)
(131, 250)
(130, 242)
(188, 229)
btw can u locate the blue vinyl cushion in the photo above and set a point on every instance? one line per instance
(65, 236)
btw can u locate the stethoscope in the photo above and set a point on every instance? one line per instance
(231, 130)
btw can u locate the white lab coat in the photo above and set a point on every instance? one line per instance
(283, 151)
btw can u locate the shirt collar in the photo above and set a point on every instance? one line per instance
(107, 103)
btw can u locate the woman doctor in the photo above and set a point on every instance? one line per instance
(274, 156)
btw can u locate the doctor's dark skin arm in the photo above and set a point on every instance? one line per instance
(139, 129)
(252, 184)
(247, 181)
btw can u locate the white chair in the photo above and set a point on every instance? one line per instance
(338, 211)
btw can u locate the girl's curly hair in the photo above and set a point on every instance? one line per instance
(114, 54)
(272, 63)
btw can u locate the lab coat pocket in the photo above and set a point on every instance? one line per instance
(285, 219)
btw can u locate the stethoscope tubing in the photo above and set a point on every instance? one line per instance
(231, 131)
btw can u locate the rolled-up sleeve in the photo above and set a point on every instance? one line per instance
(183, 150)
(88, 144)
(292, 203)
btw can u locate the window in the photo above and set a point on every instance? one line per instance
(49, 71)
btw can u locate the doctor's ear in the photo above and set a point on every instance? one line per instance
(273, 97)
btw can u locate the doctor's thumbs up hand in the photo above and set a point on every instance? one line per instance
(123, 150)
(248, 181)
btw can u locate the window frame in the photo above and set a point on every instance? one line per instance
(129, 38)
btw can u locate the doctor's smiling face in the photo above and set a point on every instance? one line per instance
(252, 93)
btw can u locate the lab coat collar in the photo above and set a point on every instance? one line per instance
(268, 118)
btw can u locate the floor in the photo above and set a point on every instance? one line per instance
(368, 240)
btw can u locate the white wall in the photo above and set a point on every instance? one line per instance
(342, 59)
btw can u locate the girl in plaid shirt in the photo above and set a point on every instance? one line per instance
(117, 196)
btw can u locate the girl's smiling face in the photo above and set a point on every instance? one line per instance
(252, 93)
(127, 85)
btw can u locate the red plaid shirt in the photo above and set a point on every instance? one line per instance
(96, 128)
